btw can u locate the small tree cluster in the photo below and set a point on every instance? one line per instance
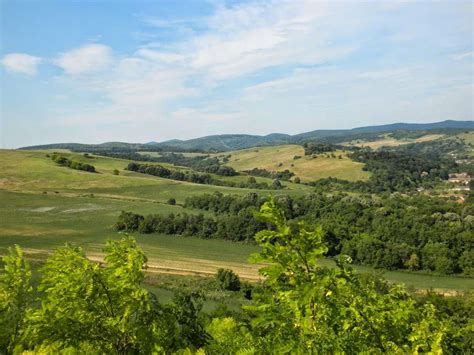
(63, 161)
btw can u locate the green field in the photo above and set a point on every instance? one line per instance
(45, 205)
(277, 158)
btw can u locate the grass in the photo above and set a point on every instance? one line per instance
(387, 141)
(277, 158)
(467, 137)
(32, 171)
(45, 206)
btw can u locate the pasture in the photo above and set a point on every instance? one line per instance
(307, 168)
(387, 141)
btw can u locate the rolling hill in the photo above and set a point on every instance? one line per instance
(230, 142)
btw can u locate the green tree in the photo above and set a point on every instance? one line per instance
(15, 296)
(305, 308)
(87, 306)
(228, 280)
(276, 184)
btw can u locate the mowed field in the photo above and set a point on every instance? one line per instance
(387, 141)
(43, 206)
(307, 168)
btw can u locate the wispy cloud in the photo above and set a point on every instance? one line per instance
(86, 59)
(462, 56)
(21, 63)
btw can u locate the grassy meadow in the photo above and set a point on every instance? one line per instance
(277, 158)
(45, 206)
(387, 141)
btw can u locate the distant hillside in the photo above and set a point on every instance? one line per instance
(227, 142)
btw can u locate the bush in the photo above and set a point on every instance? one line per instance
(276, 184)
(172, 202)
(228, 280)
(128, 221)
(116, 172)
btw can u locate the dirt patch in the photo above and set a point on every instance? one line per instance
(38, 210)
(89, 207)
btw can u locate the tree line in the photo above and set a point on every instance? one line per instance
(63, 161)
(284, 175)
(199, 178)
(202, 163)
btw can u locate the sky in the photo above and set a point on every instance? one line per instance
(142, 70)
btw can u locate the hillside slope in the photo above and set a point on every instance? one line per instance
(229, 142)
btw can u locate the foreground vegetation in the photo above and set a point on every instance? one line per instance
(301, 306)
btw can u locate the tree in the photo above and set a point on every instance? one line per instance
(228, 280)
(172, 201)
(15, 296)
(276, 184)
(89, 308)
(304, 307)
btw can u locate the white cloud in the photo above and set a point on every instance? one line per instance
(21, 63)
(462, 56)
(86, 59)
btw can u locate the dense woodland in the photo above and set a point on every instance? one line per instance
(397, 232)
(81, 306)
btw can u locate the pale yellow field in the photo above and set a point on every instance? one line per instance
(389, 142)
(467, 137)
(278, 158)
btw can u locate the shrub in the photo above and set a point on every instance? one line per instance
(228, 280)
(172, 201)
(128, 221)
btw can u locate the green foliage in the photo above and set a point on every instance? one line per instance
(86, 307)
(306, 308)
(197, 178)
(85, 304)
(392, 232)
(15, 296)
(128, 221)
(172, 201)
(61, 160)
(228, 280)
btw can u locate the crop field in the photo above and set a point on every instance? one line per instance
(277, 158)
(45, 206)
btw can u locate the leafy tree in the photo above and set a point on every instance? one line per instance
(15, 296)
(306, 308)
(276, 184)
(228, 280)
(172, 201)
(128, 221)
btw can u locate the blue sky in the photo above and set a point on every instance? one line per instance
(136, 71)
